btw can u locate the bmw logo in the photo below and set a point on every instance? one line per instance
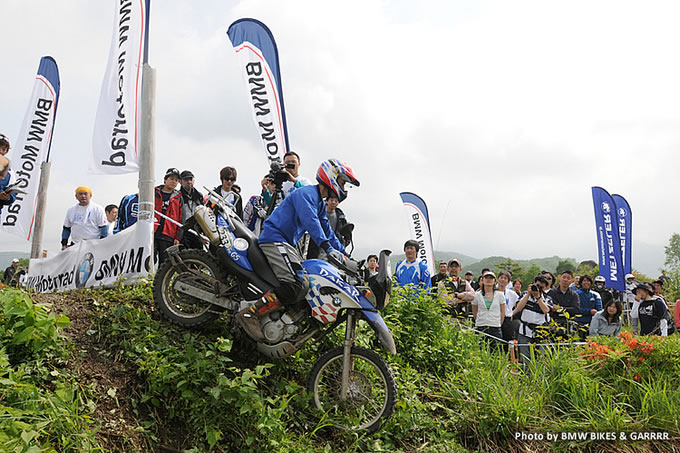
(622, 212)
(84, 270)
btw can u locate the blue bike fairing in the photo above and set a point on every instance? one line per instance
(240, 257)
(326, 270)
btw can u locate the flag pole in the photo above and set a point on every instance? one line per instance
(39, 226)
(147, 147)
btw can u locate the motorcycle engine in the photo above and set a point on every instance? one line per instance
(281, 325)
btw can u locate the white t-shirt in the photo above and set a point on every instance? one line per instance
(511, 299)
(289, 186)
(489, 317)
(85, 221)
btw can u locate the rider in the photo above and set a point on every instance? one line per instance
(303, 210)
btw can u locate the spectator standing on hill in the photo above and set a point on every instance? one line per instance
(590, 301)
(6, 199)
(291, 163)
(533, 310)
(510, 326)
(517, 286)
(441, 275)
(599, 287)
(191, 199)
(111, 211)
(456, 291)
(664, 278)
(608, 321)
(658, 288)
(226, 189)
(412, 270)
(551, 278)
(371, 267)
(85, 220)
(10, 271)
(488, 308)
(255, 210)
(564, 298)
(479, 280)
(470, 278)
(168, 201)
(651, 311)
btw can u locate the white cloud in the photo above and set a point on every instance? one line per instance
(536, 101)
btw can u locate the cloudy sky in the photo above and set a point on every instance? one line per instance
(501, 115)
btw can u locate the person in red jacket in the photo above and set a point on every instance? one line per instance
(168, 202)
(676, 313)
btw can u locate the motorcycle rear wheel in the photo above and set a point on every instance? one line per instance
(372, 392)
(180, 308)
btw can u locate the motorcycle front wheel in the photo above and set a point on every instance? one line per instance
(180, 308)
(371, 395)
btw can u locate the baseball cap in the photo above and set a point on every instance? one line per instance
(454, 260)
(186, 174)
(15, 260)
(469, 273)
(489, 273)
(171, 172)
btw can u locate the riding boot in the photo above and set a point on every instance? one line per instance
(249, 317)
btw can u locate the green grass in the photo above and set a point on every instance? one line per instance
(454, 393)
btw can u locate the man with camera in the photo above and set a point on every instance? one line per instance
(533, 310)
(291, 164)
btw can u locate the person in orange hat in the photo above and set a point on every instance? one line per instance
(85, 220)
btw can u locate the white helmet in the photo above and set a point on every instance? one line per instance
(599, 279)
(629, 276)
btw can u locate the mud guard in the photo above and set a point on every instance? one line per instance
(378, 324)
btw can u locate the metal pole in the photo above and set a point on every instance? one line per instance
(147, 149)
(39, 226)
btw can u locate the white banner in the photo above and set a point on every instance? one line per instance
(32, 149)
(254, 44)
(419, 223)
(116, 132)
(95, 262)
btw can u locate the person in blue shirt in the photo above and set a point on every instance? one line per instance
(590, 300)
(411, 270)
(6, 199)
(303, 210)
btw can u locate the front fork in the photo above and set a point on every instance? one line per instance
(347, 363)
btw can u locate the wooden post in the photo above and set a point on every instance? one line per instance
(39, 226)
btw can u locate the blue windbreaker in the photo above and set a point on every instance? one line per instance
(302, 211)
(413, 273)
(4, 182)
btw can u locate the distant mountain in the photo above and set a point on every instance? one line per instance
(476, 265)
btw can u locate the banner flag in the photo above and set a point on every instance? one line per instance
(625, 218)
(116, 132)
(95, 262)
(255, 46)
(609, 245)
(31, 149)
(419, 222)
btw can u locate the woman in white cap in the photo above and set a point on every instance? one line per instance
(488, 307)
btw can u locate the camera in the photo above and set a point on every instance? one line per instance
(535, 288)
(277, 174)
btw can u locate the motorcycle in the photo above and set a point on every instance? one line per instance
(352, 384)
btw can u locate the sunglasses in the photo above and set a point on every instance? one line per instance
(229, 179)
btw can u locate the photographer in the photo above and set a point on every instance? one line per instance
(533, 310)
(291, 164)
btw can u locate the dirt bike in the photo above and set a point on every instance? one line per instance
(353, 385)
